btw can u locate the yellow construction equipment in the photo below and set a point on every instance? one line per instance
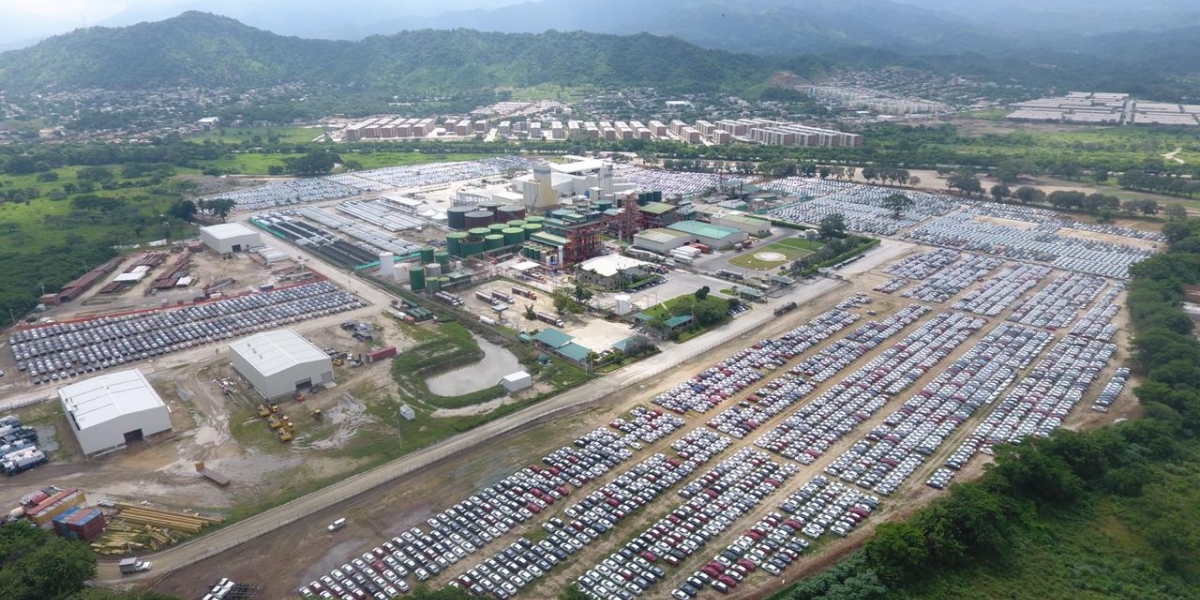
(285, 435)
(274, 408)
(316, 414)
(337, 362)
(263, 411)
(274, 422)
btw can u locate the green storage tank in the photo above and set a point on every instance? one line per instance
(532, 228)
(473, 246)
(535, 219)
(426, 255)
(442, 257)
(513, 235)
(435, 285)
(498, 227)
(516, 223)
(480, 232)
(454, 242)
(443, 282)
(416, 278)
(532, 252)
(494, 241)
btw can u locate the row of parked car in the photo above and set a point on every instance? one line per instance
(64, 350)
(1055, 306)
(891, 452)
(783, 391)
(713, 385)
(925, 264)
(894, 284)
(470, 525)
(810, 431)
(1097, 323)
(951, 280)
(725, 493)
(1111, 390)
(998, 292)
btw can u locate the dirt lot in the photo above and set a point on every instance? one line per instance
(384, 513)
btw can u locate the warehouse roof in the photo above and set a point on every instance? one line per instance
(660, 235)
(574, 352)
(548, 238)
(226, 231)
(703, 229)
(552, 337)
(611, 264)
(106, 397)
(272, 352)
(658, 208)
(739, 218)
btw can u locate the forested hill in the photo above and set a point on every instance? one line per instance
(203, 49)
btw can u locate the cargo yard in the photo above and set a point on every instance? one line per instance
(269, 359)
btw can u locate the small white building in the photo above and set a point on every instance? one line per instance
(613, 271)
(741, 222)
(228, 238)
(109, 411)
(515, 382)
(281, 362)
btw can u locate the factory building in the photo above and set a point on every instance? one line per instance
(661, 240)
(613, 271)
(279, 363)
(713, 236)
(228, 238)
(111, 410)
(748, 224)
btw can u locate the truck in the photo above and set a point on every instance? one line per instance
(549, 318)
(785, 308)
(484, 296)
(501, 296)
(524, 293)
(22, 460)
(133, 565)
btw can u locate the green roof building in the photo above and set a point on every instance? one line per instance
(714, 236)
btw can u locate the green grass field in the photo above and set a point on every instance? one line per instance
(791, 249)
(238, 135)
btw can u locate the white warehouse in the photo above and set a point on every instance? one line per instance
(228, 238)
(278, 363)
(111, 410)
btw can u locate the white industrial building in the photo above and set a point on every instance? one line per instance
(111, 410)
(748, 224)
(660, 240)
(613, 271)
(515, 382)
(228, 238)
(278, 363)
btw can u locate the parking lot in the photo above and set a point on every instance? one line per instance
(760, 455)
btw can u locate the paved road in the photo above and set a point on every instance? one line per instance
(561, 405)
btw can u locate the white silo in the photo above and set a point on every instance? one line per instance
(606, 180)
(543, 177)
(387, 266)
(624, 304)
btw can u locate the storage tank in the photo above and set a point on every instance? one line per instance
(456, 216)
(426, 255)
(516, 223)
(432, 270)
(435, 285)
(480, 232)
(442, 258)
(498, 227)
(624, 304)
(454, 242)
(510, 212)
(416, 278)
(494, 241)
(387, 266)
(480, 218)
(532, 252)
(491, 205)
(535, 219)
(472, 246)
(532, 228)
(513, 235)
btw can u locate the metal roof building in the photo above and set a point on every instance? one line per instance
(662, 241)
(278, 363)
(709, 235)
(228, 238)
(109, 411)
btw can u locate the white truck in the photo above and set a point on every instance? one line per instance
(133, 565)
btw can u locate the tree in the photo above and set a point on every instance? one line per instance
(220, 207)
(897, 552)
(701, 293)
(581, 293)
(38, 565)
(184, 210)
(1000, 192)
(832, 225)
(1029, 195)
(318, 161)
(1176, 212)
(965, 182)
(897, 203)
